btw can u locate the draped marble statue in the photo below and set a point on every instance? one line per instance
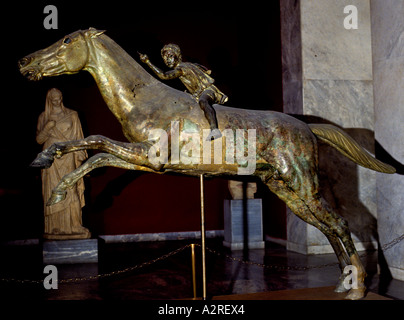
(56, 124)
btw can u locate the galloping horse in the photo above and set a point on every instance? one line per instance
(285, 149)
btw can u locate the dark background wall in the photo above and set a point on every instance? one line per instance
(239, 43)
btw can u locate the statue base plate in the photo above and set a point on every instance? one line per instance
(70, 251)
(72, 236)
(239, 214)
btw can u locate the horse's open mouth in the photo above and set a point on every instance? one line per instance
(27, 70)
(31, 74)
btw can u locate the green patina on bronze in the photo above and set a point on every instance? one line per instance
(286, 148)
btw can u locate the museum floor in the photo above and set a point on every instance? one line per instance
(270, 269)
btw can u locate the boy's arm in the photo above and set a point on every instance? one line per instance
(171, 74)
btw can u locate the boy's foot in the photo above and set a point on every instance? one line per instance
(214, 134)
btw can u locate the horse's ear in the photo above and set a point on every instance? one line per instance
(93, 33)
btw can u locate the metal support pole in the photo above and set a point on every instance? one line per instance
(203, 241)
(193, 269)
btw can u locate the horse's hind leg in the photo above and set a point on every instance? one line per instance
(300, 207)
(339, 227)
(343, 261)
(97, 161)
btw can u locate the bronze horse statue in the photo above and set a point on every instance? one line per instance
(285, 149)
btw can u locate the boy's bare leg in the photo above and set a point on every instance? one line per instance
(205, 104)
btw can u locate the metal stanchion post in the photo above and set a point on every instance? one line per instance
(193, 269)
(203, 241)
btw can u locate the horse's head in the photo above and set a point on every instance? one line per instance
(67, 56)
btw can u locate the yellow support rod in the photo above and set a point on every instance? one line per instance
(203, 241)
(193, 269)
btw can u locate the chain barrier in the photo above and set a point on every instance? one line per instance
(384, 248)
(271, 266)
(104, 275)
(391, 244)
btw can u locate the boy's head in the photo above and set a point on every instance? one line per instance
(171, 54)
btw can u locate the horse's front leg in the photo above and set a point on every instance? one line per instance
(135, 153)
(97, 161)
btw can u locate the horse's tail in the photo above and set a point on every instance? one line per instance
(341, 141)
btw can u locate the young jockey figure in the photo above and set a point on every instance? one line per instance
(195, 78)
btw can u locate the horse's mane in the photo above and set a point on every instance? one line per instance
(127, 63)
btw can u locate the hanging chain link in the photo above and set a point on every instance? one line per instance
(271, 266)
(129, 269)
(384, 248)
(391, 244)
(104, 275)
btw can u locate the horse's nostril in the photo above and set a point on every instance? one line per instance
(24, 61)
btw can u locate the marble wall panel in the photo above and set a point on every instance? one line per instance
(291, 41)
(389, 103)
(291, 57)
(346, 103)
(332, 83)
(329, 51)
(387, 29)
(388, 66)
(390, 202)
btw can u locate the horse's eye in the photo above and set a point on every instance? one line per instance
(67, 40)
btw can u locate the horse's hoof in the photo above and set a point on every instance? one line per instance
(56, 197)
(356, 294)
(42, 161)
(341, 287)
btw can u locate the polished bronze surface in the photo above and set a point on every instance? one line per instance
(284, 152)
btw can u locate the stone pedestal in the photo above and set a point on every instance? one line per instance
(327, 77)
(70, 251)
(241, 214)
(388, 75)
